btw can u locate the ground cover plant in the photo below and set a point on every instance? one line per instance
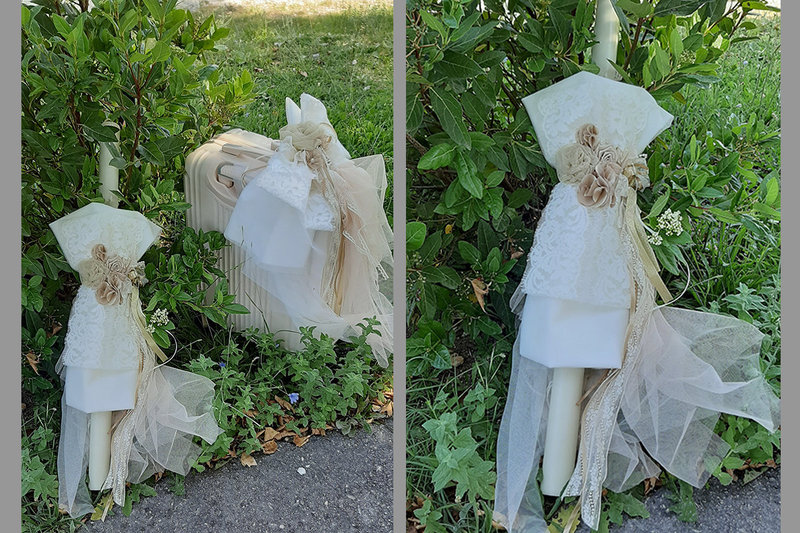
(478, 182)
(172, 79)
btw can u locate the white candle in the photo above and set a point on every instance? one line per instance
(109, 175)
(606, 28)
(563, 422)
(563, 418)
(99, 448)
(100, 423)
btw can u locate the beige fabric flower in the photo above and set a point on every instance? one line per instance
(107, 294)
(587, 135)
(111, 275)
(637, 173)
(608, 153)
(574, 161)
(603, 172)
(119, 264)
(92, 272)
(136, 274)
(113, 287)
(99, 252)
(597, 189)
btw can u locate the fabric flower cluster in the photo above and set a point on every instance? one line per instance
(603, 172)
(111, 275)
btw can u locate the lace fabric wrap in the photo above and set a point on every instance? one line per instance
(170, 406)
(680, 368)
(315, 235)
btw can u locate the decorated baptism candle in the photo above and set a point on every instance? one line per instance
(109, 365)
(587, 299)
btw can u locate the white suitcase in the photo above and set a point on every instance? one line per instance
(216, 173)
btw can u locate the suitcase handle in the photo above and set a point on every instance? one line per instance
(232, 175)
(229, 174)
(239, 150)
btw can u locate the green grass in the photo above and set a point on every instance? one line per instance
(352, 75)
(343, 58)
(734, 270)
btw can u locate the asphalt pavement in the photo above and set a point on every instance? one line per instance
(754, 507)
(331, 484)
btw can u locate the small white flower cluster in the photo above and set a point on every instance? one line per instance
(159, 318)
(670, 222)
(655, 239)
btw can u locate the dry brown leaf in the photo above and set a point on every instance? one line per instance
(497, 526)
(269, 447)
(247, 460)
(481, 289)
(283, 403)
(33, 360)
(516, 254)
(252, 413)
(284, 434)
(388, 408)
(318, 431)
(304, 74)
(268, 434)
(456, 360)
(300, 441)
(650, 484)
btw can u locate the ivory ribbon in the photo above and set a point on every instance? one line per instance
(635, 228)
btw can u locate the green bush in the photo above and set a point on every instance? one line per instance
(478, 183)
